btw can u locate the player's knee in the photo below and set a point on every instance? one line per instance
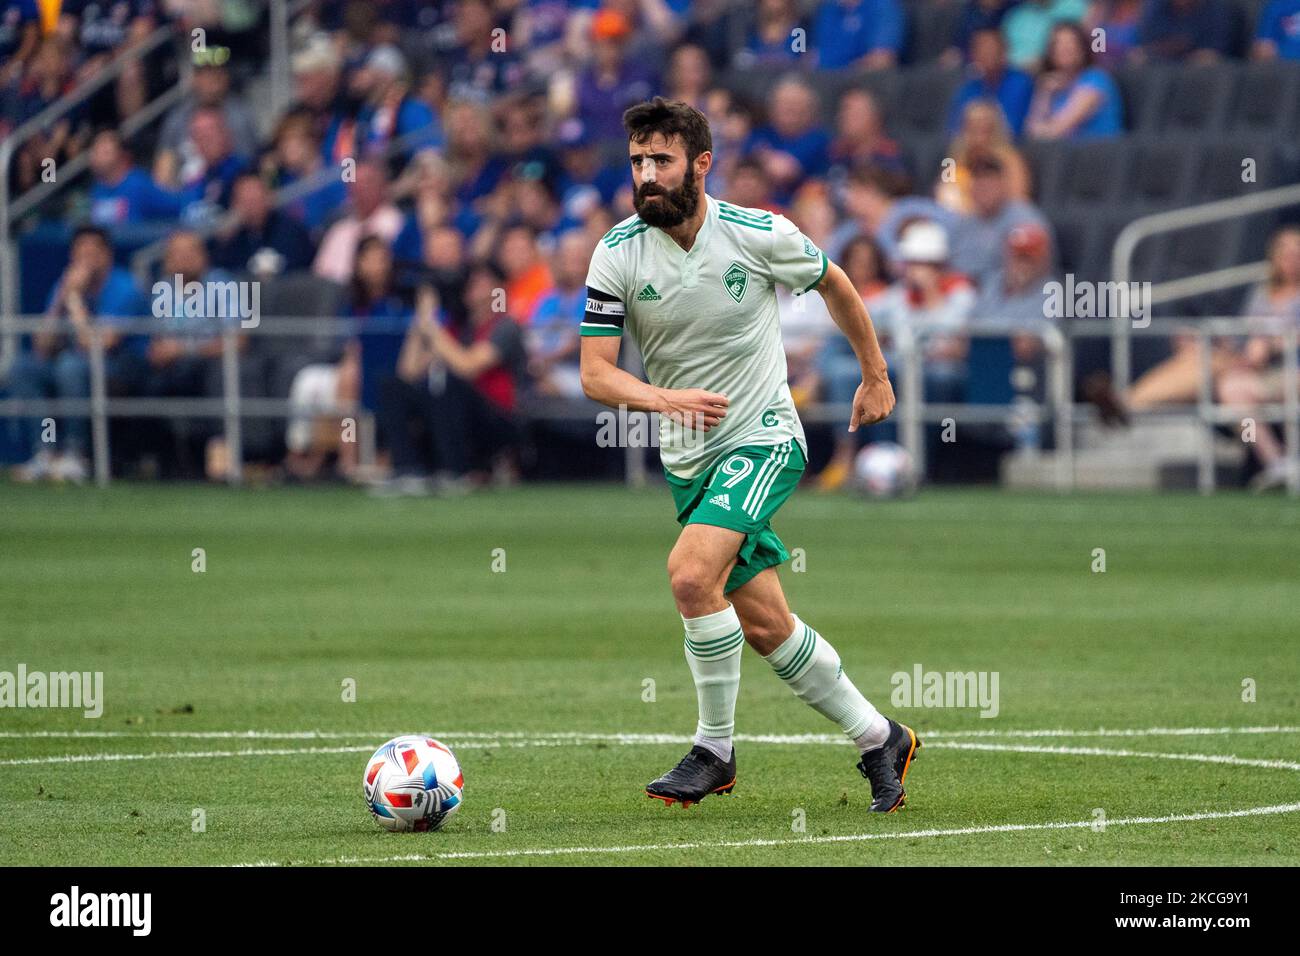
(693, 585)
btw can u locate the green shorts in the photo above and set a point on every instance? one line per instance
(742, 491)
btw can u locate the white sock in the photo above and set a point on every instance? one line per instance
(813, 671)
(713, 644)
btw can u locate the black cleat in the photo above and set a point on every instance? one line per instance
(886, 767)
(696, 775)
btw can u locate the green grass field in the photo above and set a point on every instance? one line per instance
(536, 677)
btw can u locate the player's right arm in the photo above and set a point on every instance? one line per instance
(603, 381)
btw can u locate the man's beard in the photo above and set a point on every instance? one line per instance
(673, 208)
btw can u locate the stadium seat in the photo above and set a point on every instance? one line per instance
(1141, 89)
(1044, 159)
(922, 101)
(1088, 173)
(930, 28)
(1263, 97)
(1221, 166)
(1158, 171)
(1195, 99)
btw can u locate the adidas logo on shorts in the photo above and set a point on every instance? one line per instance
(722, 501)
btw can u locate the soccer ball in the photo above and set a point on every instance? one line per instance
(884, 470)
(412, 783)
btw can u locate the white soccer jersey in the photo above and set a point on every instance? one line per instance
(708, 319)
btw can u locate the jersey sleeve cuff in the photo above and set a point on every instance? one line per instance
(820, 275)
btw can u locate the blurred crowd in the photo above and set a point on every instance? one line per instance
(452, 166)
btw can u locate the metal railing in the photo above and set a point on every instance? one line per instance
(914, 413)
(12, 208)
(1145, 227)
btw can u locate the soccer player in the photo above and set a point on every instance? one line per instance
(693, 279)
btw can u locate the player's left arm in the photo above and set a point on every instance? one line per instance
(874, 399)
(796, 263)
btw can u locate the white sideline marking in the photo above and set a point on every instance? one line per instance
(644, 738)
(1099, 752)
(844, 838)
(624, 738)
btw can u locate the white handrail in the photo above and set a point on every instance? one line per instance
(1121, 260)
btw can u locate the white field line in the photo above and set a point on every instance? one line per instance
(642, 739)
(798, 841)
(629, 738)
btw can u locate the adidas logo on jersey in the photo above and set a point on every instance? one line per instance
(648, 294)
(723, 501)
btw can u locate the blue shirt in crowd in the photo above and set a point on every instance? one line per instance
(136, 198)
(1280, 22)
(845, 32)
(1108, 120)
(1013, 92)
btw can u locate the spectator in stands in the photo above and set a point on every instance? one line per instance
(1197, 30)
(319, 95)
(582, 167)
(295, 155)
(477, 69)
(1028, 28)
(792, 146)
(878, 203)
(475, 168)
(771, 38)
(95, 296)
(260, 240)
(177, 158)
(860, 137)
(207, 186)
(370, 212)
(122, 194)
(185, 354)
(458, 385)
(992, 79)
(546, 30)
(1277, 35)
(612, 82)
(823, 359)
(552, 337)
(102, 31)
(367, 359)
(1118, 20)
(983, 132)
(979, 237)
(976, 16)
(1258, 374)
(933, 305)
(751, 186)
(1177, 379)
(1073, 99)
(527, 274)
(1014, 303)
(445, 262)
(689, 75)
(20, 35)
(389, 112)
(47, 78)
(864, 34)
(1015, 294)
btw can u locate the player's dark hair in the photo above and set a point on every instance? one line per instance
(670, 118)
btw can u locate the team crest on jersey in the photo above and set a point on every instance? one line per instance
(736, 280)
(770, 418)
